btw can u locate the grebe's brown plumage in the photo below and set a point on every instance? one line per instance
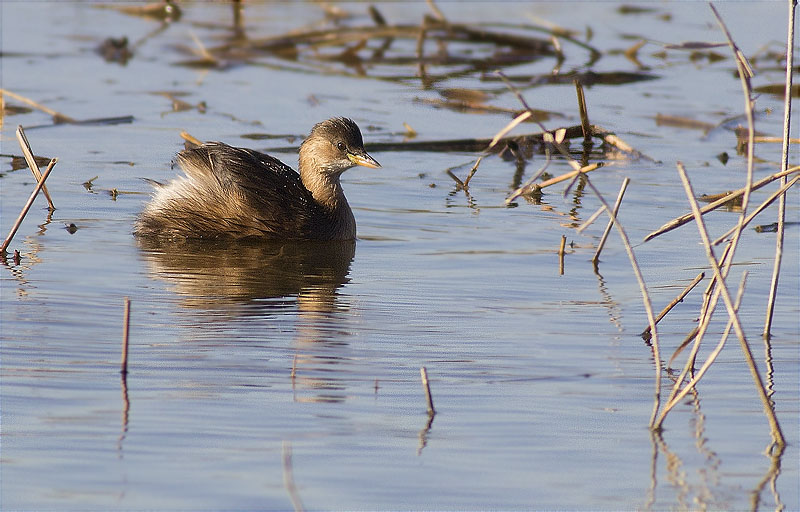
(233, 192)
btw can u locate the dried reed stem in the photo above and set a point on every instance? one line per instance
(27, 206)
(676, 300)
(745, 74)
(28, 153)
(561, 253)
(426, 386)
(645, 299)
(125, 330)
(734, 317)
(787, 117)
(688, 217)
(610, 224)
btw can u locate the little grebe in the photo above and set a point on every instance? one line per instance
(238, 193)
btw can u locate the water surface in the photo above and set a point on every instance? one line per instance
(274, 375)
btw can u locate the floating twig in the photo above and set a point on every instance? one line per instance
(675, 301)
(426, 386)
(27, 206)
(610, 224)
(29, 158)
(125, 331)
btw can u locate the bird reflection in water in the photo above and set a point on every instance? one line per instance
(221, 283)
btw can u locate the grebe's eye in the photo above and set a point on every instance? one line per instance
(341, 146)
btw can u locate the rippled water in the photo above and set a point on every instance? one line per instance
(285, 375)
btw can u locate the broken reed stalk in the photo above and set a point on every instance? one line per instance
(27, 206)
(775, 195)
(645, 298)
(28, 153)
(673, 401)
(734, 317)
(688, 217)
(787, 117)
(676, 300)
(610, 224)
(126, 322)
(427, 387)
(561, 253)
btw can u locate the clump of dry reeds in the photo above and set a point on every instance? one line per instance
(720, 267)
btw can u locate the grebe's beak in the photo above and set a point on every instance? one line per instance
(362, 158)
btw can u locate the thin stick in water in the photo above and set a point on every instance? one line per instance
(125, 331)
(28, 153)
(676, 300)
(427, 387)
(787, 118)
(27, 206)
(610, 224)
(561, 255)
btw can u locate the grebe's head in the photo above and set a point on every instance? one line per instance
(332, 147)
